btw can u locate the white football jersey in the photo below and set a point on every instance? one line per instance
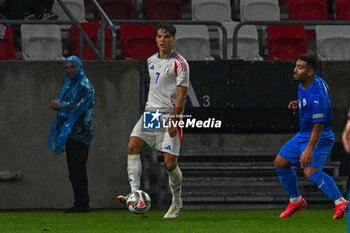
(165, 75)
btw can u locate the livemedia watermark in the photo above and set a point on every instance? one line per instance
(157, 120)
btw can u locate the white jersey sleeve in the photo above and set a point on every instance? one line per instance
(182, 71)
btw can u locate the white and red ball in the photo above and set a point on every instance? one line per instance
(139, 202)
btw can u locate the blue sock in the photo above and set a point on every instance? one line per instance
(289, 181)
(326, 184)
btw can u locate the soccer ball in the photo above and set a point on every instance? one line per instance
(139, 202)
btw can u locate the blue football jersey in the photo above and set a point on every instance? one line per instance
(314, 106)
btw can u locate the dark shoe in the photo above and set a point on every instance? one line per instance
(47, 15)
(75, 209)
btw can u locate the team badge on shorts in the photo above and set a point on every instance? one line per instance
(151, 120)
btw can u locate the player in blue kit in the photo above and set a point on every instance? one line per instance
(310, 146)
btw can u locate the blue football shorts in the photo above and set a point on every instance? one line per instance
(292, 150)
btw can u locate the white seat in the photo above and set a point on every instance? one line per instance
(41, 42)
(75, 6)
(259, 10)
(248, 44)
(211, 10)
(192, 42)
(333, 42)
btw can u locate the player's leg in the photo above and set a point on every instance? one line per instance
(134, 162)
(288, 177)
(170, 147)
(138, 138)
(134, 166)
(348, 217)
(326, 183)
(175, 176)
(289, 154)
(175, 183)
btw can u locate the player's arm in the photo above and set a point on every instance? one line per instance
(179, 106)
(346, 134)
(293, 105)
(306, 156)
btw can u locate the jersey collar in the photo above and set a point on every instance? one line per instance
(171, 56)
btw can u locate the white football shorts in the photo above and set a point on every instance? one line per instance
(157, 138)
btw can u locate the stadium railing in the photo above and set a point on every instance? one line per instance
(115, 23)
(112, 24)
(105, 20)
(182, 22)
(265, 23)
(72, 21)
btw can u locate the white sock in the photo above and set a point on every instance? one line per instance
(175, 183)
(295, 200)
(134, 171)
(339, 201)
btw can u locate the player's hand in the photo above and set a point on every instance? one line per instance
(172, 129)
(293, 105)
(306, 158)
(346, 137)
(55, 105)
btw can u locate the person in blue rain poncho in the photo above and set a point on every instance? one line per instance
(73, 129)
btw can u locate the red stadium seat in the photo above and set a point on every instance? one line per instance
(307, 10)
(162, 9)
(6, 46)
(137, 41)
(343, 9)
(286, 42)
(91, 29)
(117, 9)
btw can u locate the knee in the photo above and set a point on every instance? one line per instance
(276, 163)
(308, 171)
(170, 164)
(130, 148)
(280, 162)
(133, 148)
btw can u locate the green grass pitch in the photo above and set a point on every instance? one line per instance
(191, 221)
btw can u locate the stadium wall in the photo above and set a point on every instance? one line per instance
(26, 88)
(25, 119)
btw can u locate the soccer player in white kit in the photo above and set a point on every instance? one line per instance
(169, 80)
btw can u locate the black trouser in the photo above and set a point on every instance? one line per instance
(38, 6)
(17, 9)
(77, 154)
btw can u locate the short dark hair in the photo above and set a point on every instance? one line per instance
(310, 59)
(167, 26)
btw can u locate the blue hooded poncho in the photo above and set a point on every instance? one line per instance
(74, 118)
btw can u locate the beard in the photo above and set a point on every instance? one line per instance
(301, 77)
